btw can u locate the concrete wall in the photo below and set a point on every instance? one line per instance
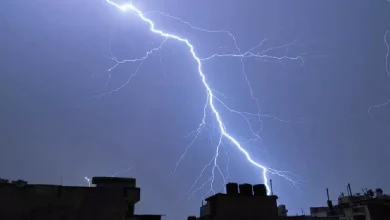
(60, 202)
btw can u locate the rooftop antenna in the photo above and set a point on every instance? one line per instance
(272, 191)
(330, 205)
(327, 193)
(350, 191)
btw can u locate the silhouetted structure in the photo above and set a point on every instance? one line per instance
(249, 203)
(259, 190)
(356, 207)
(112, 198)
(232, 188)
(282, 211)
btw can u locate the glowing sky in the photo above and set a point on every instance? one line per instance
(55, 56)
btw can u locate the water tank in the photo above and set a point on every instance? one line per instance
(246, 189)
(259, 190)
(113, 182)
(232, 189)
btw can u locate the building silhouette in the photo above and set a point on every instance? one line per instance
(282, 211)
(112, 199)
(356, 207)
(247, 202)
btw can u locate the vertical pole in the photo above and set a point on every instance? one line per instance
(350, 191)
(327, 193)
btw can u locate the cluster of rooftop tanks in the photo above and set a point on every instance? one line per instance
(246, 189)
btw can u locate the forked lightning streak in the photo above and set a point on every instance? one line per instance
(212, 95)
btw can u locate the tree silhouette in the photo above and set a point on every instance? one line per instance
(378, 192)
(370, 193)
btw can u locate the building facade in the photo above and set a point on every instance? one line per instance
(356, 208)
(112, 198)
(364, 208)
(246, 202)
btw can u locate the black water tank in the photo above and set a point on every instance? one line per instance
(259, 190)
(232, 189)
(246, 189)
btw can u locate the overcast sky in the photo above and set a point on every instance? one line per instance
(54, 57)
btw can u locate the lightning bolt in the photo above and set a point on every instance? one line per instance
(88, 181)
(387, 71)
(211, 94)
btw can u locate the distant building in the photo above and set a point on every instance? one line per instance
(356, 207)
(320, 211)
(282, 211)
(112, 198)
(364, 208)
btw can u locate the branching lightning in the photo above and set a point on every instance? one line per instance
(385, 38)
(212, 96)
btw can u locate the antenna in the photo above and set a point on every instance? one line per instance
(350, 191)
(327, 193)
(272, 191)
(330, 204)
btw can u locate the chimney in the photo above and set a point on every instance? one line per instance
(113, 182)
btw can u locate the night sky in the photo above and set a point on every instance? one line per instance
(53, 125)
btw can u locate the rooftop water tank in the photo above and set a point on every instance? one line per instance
(232, 189)
(260, 190)
(246, 189)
